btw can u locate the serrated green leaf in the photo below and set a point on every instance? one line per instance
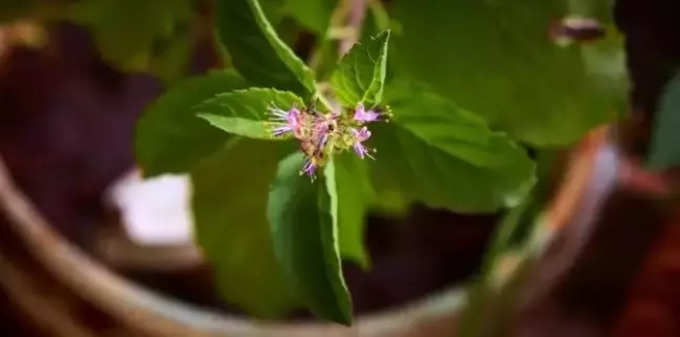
(354, 194)
(303, 218)
(257, 51)
(169, 137)
(443, 124)
(361, 73)
(495, 58)
(229, 203)
(244, 112)
(446, 157)
(664, 151)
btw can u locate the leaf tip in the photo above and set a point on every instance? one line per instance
(346, 320)
(385, 34)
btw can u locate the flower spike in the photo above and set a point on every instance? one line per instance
(323, 134)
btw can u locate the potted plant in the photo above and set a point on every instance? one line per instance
(287, 157)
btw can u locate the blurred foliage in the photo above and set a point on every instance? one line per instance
(496, 58)
(664, 151)
(154, 36)
(313, 15)
(515, 245)
(10, 9)
(169, 138)
(139, 35)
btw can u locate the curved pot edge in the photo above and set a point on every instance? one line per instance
(158, 315)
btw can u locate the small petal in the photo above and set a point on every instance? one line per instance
(285, 121)
(282, 130)
(362, 151)
(309, 168)
(362, 115)
(361, 135)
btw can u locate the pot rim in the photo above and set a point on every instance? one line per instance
(157, 314)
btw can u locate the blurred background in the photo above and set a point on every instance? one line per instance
(75, 76)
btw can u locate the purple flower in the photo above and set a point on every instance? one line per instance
(323, 134)
(321, 131)
(309, 168)
(365, 116)
(359, 137)
(285, 121)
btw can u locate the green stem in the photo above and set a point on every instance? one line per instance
(345, 26)
(382, 19)
(318, 96)
(355, 19)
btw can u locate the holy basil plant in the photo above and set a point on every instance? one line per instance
(285, 165)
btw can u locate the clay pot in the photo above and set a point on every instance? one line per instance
(589, 176)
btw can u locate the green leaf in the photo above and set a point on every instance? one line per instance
(303, 218)
(229, 203)
(313, 15)
(496, 58)
(354, 193)
(171, 63)
(127, 32)
(169, 138)
(257, 51)
(244, 112)
(361, 73)
(446, 157)
(664, 151)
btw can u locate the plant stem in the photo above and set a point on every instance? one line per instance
(355, 19)
(345, 26)
(382, 19)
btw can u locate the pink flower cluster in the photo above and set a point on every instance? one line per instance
(323, 134)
